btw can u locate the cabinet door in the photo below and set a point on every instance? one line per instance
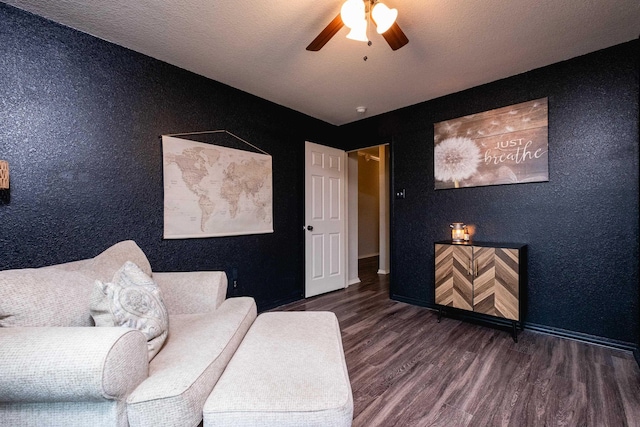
(496, 280)
(454, 286)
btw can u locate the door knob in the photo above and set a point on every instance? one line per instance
(310, 227)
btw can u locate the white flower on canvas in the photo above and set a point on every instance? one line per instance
(455, 159)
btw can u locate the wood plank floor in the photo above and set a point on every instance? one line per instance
(408, 370)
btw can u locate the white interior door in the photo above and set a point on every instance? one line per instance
(325, 241)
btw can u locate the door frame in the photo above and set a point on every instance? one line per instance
(384, 229)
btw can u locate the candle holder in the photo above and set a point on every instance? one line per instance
(458, 230)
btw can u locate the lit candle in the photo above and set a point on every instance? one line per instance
(457, 231)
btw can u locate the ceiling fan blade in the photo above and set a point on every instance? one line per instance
(326, 34)
(395, 37)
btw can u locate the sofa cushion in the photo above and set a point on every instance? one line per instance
(59, 295)
(183, 374)
(44, 297)
(132, 300)
(192, 292)
(104, 265)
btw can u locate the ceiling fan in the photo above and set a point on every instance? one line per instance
(356, 14)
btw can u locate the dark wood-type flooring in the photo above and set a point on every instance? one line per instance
(408, 370)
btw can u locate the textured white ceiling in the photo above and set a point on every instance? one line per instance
(259, 46)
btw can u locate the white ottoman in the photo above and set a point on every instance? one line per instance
(288, 371)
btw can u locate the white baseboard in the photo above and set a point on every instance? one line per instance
(368, 255)
(353, 281)
(383, 271)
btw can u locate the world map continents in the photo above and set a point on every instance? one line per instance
(211, 190)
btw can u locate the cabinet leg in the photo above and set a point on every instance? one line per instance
(439, 314)
(515, 332)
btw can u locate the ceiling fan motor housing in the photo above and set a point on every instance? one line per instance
(394, 36)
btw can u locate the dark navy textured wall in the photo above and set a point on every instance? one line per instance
(79, 125)
(581, 226)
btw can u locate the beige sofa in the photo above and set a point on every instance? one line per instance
(56, 369)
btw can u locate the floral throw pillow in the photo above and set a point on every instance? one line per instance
(132, 299)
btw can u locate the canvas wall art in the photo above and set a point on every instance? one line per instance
(507, 145)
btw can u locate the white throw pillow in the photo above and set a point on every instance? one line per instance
(132, 300)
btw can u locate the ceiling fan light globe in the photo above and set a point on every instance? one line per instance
(352, 12)
(383, 17)
(359, 32)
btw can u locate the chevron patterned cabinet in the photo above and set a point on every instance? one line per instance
(484, 278)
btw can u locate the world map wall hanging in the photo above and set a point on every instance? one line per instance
(507, 145)
(212, 191)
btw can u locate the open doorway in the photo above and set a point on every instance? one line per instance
(368, 213)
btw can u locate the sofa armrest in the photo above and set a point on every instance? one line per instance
(65, 364)
(192, 292)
